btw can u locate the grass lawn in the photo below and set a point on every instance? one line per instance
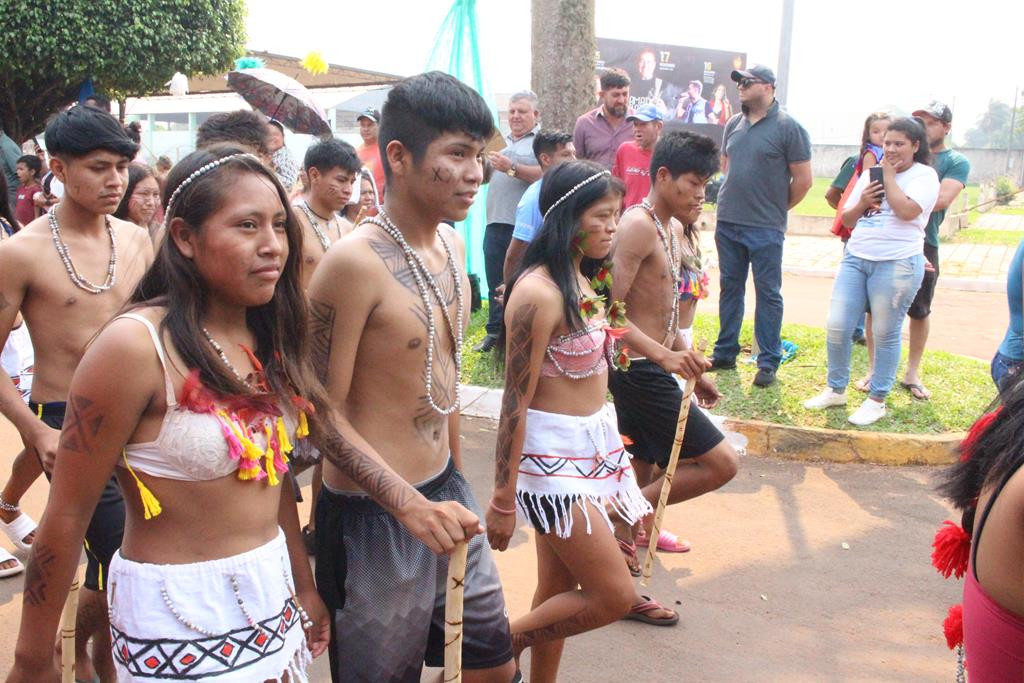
(961, 387)
(814, 203)
(1010, 238)
(1009, 210)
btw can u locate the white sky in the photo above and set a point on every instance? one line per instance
(847, 59)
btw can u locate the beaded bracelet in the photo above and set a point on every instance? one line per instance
(502, 511)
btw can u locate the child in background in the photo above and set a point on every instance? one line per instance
(27, 168)
(875, 126)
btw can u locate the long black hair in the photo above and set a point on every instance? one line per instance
(136, 174)
(279, 326)
(553, 245)
(994, 449)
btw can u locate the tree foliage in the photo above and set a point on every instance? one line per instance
(993, 128)
(127, 47)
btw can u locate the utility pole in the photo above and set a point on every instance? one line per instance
(785, 40)
(1013, 122)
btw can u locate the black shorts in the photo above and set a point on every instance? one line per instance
(386, 590)
(106, 528)
(647, 402)
(921, 307)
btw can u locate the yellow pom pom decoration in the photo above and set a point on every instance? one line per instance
(314, 63)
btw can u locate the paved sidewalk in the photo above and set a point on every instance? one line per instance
(999, 221)
(974, 267)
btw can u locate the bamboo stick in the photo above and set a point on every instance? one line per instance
(453, 614)
(67, 634)
(666, 486)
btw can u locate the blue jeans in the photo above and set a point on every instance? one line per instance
(740, 249)
(497, 237)
(1004, 370)
(888, 287)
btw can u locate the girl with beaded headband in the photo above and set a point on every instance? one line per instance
(560, 462)
(220, 391)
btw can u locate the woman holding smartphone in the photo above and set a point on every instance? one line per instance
(883, 265)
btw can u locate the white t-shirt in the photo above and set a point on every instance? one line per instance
(882, 236)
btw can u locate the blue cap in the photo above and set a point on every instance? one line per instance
(648, 112)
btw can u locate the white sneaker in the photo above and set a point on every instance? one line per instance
(825, 399)
(870, 411)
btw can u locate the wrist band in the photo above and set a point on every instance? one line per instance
(502, 511)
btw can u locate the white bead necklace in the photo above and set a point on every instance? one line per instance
(424, 280)
(325, 241)
(65, 257)
(223, 357)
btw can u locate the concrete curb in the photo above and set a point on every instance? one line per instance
(834, 445)
(794, 443)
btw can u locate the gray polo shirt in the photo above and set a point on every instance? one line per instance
(756, 188)
(504, 191)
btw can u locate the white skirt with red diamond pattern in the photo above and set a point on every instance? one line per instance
(225, 621)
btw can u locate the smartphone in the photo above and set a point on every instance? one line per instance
(875, 175)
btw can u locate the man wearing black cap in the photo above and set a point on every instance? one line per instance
(953, 169)
(766, 156)
(369, 152)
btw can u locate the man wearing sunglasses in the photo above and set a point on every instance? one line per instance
(766, 156)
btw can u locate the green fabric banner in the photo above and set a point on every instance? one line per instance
(457, 52)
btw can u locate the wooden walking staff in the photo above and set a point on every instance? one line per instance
(453, 613)
(666, 486)
(67, 634)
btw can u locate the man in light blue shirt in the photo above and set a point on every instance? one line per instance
(551, 147)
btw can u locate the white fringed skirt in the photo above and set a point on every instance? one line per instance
(575, 461)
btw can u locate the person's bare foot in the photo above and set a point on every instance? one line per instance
(863, 384)
(9, 517)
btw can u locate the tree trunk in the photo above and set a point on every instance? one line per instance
(564, 49)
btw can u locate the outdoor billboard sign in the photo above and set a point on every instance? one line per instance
(691, 85)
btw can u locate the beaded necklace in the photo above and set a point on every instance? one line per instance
(426, 283)
(325, 241)
(673, 252)
(224, 358)
(65, 257)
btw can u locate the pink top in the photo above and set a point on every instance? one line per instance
(993, 635)
(578, 355)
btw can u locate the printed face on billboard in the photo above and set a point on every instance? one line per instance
(692, 86)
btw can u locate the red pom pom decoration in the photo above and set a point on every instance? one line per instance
(975, 432)
(951, 549)
(953, 626)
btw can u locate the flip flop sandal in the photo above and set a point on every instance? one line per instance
(668, 542)
(629, 552)
(17, 530)
(641, 612)
(922, 393)
(863, 384)
(6, 556)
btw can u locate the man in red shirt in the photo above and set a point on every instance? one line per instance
(27, 168)
(369, 152)
(633, 158)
